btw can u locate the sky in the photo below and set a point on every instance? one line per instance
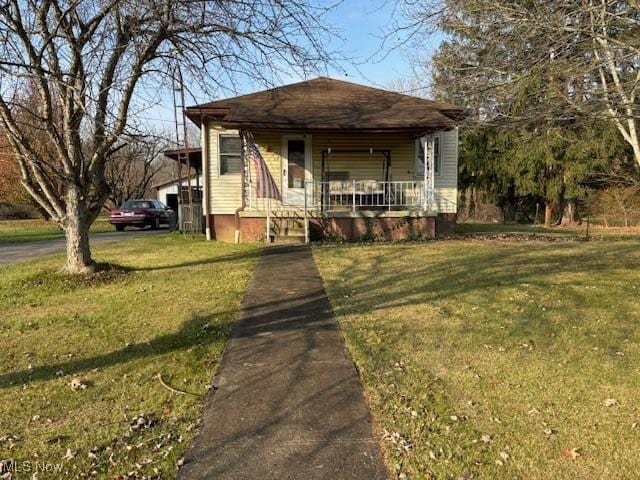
(361, 24)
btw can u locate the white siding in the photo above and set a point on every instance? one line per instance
(172, 188)
(226, 190)
(447, 182)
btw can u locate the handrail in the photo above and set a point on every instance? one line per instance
(352, 195)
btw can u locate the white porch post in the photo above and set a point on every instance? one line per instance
(306, 218)
(268, 239)
(204, 141)
(353, 195)
(425, 173)
(428, 172)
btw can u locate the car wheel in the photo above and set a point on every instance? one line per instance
(119, 228)
(156, 223)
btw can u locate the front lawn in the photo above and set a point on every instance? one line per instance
(20, 231)
(574, 231)
(81, 358)
(490, 360)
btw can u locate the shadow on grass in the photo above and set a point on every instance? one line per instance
(380, 284)
(53, 281)
(244, 255)
(198, 331)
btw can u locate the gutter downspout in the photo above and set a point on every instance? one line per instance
(204, 141)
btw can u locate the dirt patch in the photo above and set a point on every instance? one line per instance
(105, 273)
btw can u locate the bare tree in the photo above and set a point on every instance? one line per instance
(613, 28)
(132, 169)
(87, 60)
(408, 86)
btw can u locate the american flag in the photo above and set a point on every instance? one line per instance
(266, 185)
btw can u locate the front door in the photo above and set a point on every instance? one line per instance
(296, 168)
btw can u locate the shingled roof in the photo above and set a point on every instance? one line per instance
(328, 104)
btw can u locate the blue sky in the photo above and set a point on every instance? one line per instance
(361, 24)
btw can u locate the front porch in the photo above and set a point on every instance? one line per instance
(349, 193)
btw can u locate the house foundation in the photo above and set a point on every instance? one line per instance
(339, 226)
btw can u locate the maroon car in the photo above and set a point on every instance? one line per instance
(140, 213)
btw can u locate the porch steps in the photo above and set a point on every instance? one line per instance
(287, 239)
(287, 228)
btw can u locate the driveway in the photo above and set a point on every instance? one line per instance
(17, 252)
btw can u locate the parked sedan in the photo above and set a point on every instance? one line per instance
(141, 213)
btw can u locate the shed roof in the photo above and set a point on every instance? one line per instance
(328, 104)
(172, 181)
(195, 156)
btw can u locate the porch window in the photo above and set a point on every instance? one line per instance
(437, 153)
(230, 154)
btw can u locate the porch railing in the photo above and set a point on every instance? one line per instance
(344, 195)
(354, 195)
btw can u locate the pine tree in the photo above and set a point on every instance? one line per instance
(535, 128)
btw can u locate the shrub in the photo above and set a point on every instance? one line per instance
(17, 211)
(620, 205)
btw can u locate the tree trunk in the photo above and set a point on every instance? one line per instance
(548, 215)
(76, 229)
(570, 213)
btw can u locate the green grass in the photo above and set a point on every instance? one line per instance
(596, 231)
(21, 231)
(169, 313)
(517, 344)
(509, 228)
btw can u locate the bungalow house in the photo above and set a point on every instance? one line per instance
(350, 161)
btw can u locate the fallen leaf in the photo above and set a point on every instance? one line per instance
(611, 402)
(69, 455)
(572, 453)
(77, 384)
(486, 439)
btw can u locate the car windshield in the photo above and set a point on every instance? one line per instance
(137, 204)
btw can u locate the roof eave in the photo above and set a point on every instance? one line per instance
(448, 124)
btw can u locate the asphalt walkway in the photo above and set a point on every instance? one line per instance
(287, 401)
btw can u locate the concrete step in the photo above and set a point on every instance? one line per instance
(292, 231)
(282, 224)
(287, 239)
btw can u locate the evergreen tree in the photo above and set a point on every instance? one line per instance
(536, 130)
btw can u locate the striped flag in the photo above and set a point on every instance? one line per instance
(266, 186)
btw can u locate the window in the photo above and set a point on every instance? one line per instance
(338, 176)
(437, 153)
(296, 164)
(137, 204)
(230, 154)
